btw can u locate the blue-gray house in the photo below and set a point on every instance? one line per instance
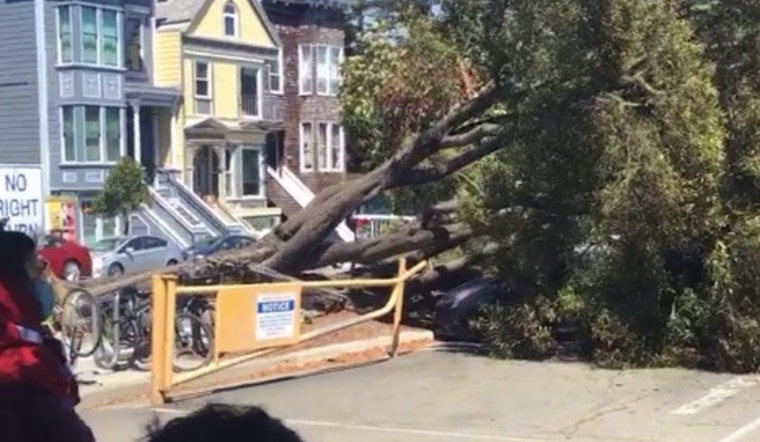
(77, 94)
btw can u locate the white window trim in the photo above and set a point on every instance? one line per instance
(239, 170)
(326, 93)
(209, 80)
(235, 20)
(99, 31)
(58, 33)
(301, 155)
(328, 148)
(341, 55)
(301, 74)
(102, 142)
(279, 91)
(62, 137)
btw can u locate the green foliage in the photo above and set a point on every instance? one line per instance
(626, 198)
(125, 190)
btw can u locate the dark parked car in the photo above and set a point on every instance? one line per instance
(208, 247)
(457, 307)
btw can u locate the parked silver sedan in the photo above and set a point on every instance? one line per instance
(120, 255)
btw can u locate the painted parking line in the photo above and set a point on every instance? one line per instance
(385, 429)
(717, 395)
(745, 433)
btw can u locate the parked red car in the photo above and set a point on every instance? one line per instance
(67, 259)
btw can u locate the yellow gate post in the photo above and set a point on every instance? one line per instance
(398, 292)
(158, 340)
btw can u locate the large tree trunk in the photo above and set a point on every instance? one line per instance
(298, 243)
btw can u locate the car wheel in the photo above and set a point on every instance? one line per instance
(71, 271)
(171, 262)
(115, 270)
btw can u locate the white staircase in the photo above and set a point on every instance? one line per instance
(301, 193)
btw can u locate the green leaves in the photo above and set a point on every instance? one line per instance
(125, 190)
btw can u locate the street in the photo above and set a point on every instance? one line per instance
(437, 396)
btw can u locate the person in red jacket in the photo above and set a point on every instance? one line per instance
(37, 390)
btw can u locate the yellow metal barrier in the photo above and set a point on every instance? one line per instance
(272, 309)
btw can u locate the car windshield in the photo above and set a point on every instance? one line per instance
(106, 245)
(207, 242)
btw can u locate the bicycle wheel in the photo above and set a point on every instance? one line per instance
(193, 343)
(81, 323)
(110, 351)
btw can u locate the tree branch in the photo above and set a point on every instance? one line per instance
(388, 246)
(472, 136)
(434, 173)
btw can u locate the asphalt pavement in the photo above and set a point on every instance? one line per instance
(442, 396)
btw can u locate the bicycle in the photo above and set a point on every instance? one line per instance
(79, 321)
(127, 329)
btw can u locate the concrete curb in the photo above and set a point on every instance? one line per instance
(114, 381)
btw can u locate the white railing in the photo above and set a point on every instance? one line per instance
(370, 225)
(200, 227)
(153, 216)
(303, 195)
(184, 189)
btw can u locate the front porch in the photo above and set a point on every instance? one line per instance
(151, 118)
(226, 165)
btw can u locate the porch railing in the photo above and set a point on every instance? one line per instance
(263, 107)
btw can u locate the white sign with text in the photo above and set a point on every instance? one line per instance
(276, 316)
(21, 199)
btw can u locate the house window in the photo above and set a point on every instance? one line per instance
(337, 148)
(322, 146)
(89, 35)
(336, 59)
(202, 88)
(230, 20)
(110, 39)
(134, 60)
(327, 74)
(67, 125)
(92, 133)
(275, 74)
(89, 224)
(65, 50)
(251, 164)
(330, 147)
(113, 133)
(305, 71)
(323, 70)
(307, 148)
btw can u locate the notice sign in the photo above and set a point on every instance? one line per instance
(21, 199)
(276, 316)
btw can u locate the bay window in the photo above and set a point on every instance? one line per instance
(336, 59)
(89, 34)
(336, 151)
(113, 133)
(96, 137)
(67, 132)
(65, 50)
(323, 70)
(92, 134)
(110, 38)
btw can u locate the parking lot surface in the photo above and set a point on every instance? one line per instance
(437, 396)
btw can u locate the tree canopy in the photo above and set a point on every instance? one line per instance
(621, 190)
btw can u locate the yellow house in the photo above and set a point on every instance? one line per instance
(226, 58)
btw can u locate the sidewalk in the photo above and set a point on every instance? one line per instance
(103, 387)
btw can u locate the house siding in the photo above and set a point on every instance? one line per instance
(19, 109)
(301, 24)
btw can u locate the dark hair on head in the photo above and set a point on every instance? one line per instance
(223, 423)
(15, 247)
